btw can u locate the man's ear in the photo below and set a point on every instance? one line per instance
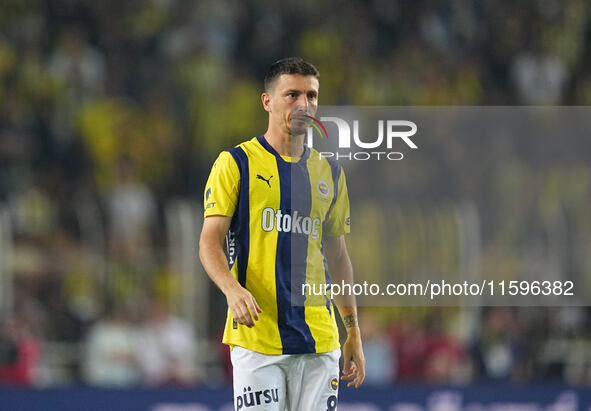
(266, 99)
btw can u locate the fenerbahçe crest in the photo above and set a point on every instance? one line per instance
(323, 188)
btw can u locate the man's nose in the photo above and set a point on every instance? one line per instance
(303, 101)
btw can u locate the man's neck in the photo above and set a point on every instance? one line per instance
(285, 144)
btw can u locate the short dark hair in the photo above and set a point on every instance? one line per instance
(289, 65)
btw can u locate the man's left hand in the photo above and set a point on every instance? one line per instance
(354, 361)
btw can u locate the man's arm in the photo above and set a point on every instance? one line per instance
(241, 302)
(340, 268)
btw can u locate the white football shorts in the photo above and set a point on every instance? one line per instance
(290, 382)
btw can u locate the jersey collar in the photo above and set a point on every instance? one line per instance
(271, 150)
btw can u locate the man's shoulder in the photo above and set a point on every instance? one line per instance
(245, 146)
(334, 165)
(237, 153)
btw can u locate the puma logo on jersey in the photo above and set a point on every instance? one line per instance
(266, 180)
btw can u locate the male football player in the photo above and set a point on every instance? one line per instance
(282, 211)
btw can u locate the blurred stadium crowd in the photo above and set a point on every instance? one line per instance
(109, 110)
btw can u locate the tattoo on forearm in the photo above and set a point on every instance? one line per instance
(350, 321)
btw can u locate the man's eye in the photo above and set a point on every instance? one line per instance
(292, 95)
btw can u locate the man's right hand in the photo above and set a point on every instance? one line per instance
(241, 302)
(243, 305)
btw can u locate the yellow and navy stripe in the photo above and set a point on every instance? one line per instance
(290, 267)
(240, 225)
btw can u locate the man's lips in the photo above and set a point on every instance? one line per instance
(300, 117)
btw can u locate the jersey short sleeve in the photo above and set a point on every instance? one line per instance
(338, 220)
(223, 185)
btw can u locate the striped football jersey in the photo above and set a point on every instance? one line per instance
(281, 207)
